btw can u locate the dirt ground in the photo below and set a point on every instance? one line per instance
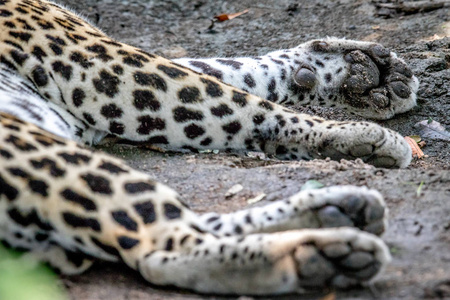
(419, 232)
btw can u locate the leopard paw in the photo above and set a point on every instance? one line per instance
(284, 262)
(363, 78)
(340, 206)
(339, 258)
(372, 143)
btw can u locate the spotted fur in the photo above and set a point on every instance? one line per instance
(64, 83)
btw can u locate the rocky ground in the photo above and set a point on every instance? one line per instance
(419, 233)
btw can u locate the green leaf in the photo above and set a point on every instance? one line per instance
(312, 185)
(24, 279)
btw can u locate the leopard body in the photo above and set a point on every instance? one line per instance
(65, 85)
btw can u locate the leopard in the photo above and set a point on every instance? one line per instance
(65, 86)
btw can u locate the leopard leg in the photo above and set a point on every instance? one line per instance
(99, 207)
(55, 192)
(335, 206)
(267, 264)
(144, 98)
(361, 77)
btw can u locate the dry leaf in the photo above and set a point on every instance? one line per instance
(375, 27)
(226, 17)
(330, 296)
(155, 148)
(430, 129)
(416, 151)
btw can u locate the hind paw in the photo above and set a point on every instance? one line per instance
(339, 206)
(347, 259)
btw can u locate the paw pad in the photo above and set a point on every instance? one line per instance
(379, 98)
(364, 74)
(305, 78)
(382, 161)
(338, 264)
(380, 51)
(401, 89)
(314, 269)
(364, 211)
(362, 150)
(331, 216)
(337, 250)
(357, 260)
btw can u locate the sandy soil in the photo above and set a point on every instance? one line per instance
(419, 233)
